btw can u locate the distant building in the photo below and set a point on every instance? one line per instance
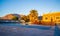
(6, 20)
(39, 17)
(51, 17)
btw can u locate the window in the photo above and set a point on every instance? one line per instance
(46, 18)
(57, 17)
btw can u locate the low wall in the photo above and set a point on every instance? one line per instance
(57, 30)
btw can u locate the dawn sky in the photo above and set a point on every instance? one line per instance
(24, 6)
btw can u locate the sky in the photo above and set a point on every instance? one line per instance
(24, 6)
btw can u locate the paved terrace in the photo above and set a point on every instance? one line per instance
(26, 30)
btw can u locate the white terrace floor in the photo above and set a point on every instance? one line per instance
(26, 30)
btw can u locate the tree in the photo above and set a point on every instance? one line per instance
(15, 18)
(33, 15)
(25, 18)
